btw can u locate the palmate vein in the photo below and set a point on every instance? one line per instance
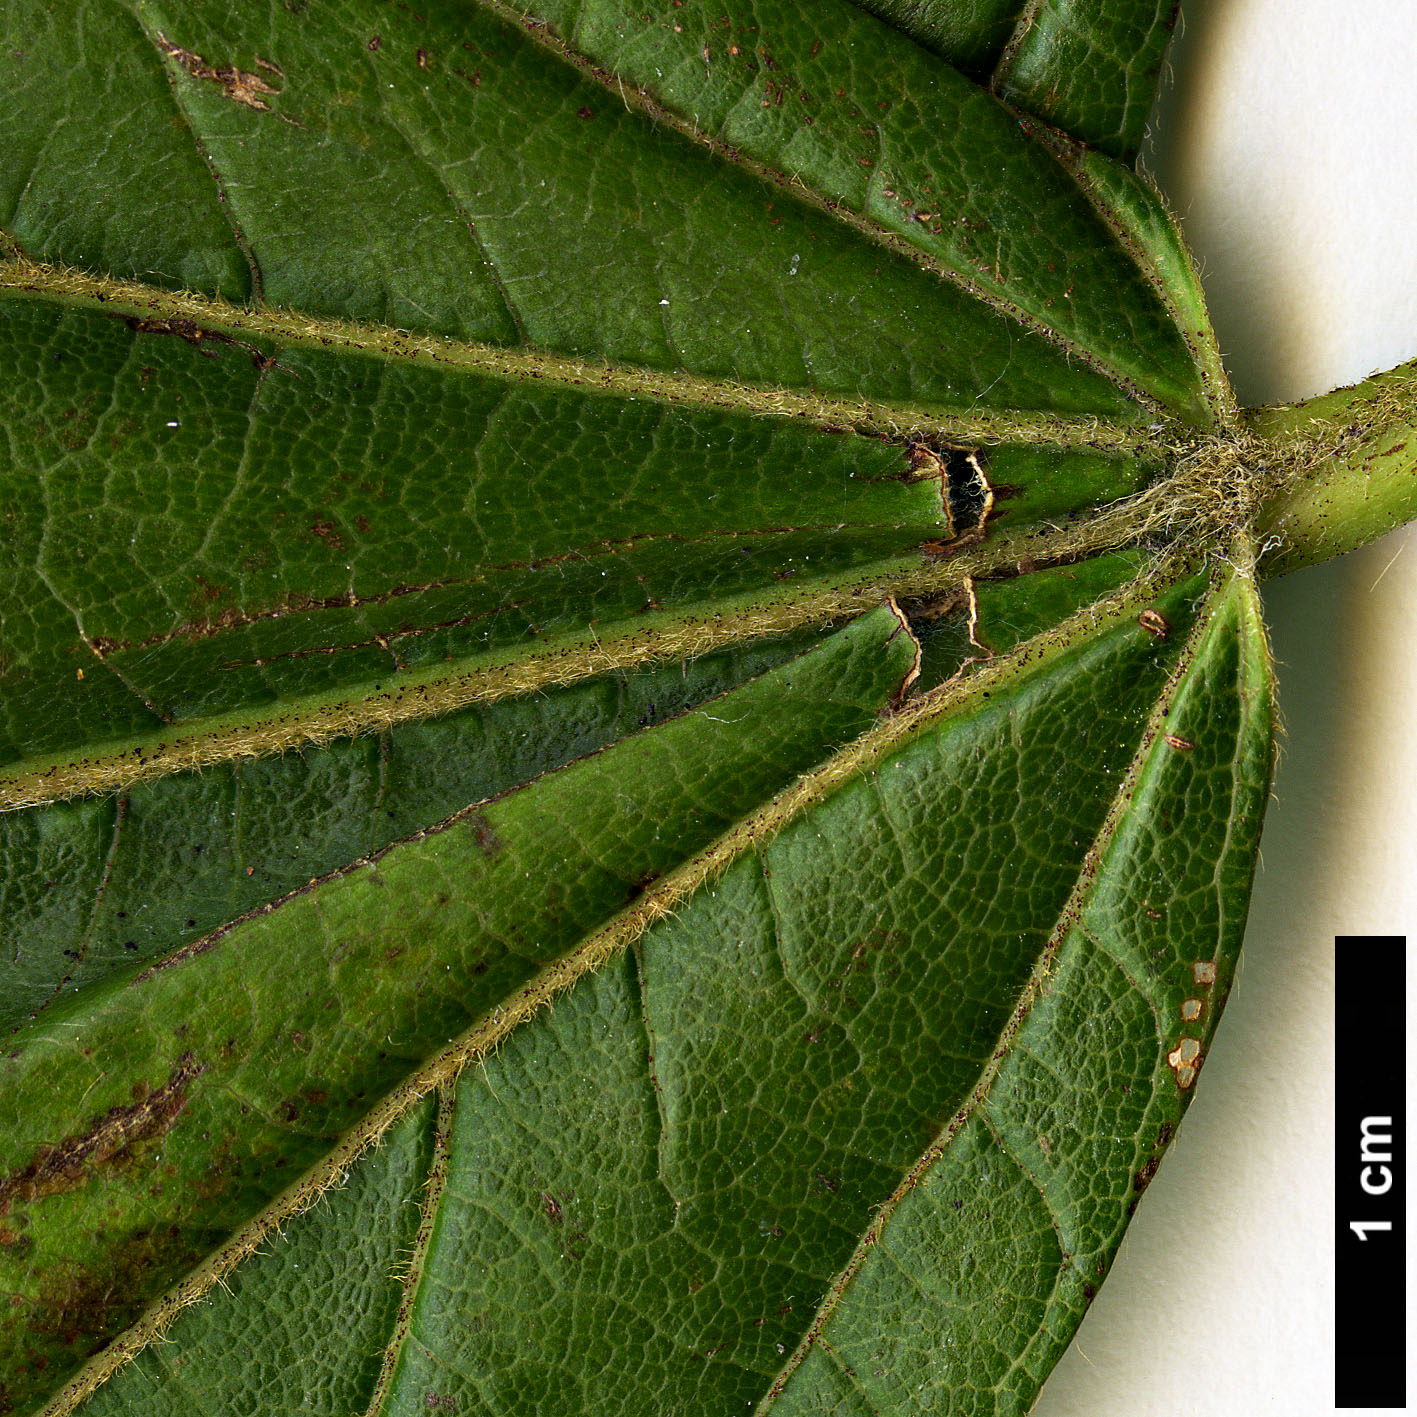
(661, 900)
(1027, 996)
(22, 277)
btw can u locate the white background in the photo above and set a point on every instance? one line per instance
(1288, 145)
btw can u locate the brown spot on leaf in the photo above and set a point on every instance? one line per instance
(85, 1306)
(488, 842)
(65, 1165)
(239, 85)
(1154, 623)
(207, 592)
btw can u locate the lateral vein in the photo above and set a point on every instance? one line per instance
(168, 50)
(643, 101)
(435, 1186)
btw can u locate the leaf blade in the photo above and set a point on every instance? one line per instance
(247, 1094)
(1125, 355)
(1090, 69)
(1125, 1001)
(547, 1197)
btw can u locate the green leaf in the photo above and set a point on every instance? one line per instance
(635, 717)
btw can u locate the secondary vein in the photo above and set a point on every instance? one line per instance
(640, 99)
(435, 1186)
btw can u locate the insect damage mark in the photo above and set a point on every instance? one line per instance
(196, 335)
(928, 464)
(913, 673)
(1155, 623)
(1185, 1061)
(971, 497)
(65, 1165)
(239, 85)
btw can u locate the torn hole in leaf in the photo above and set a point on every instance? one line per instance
(964, 487)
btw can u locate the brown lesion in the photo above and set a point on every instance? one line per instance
(329, 533)
(66, 1165)
(80, 1307)
(1143, 1175)
(198, 336)
(488, 842)
(239, 85)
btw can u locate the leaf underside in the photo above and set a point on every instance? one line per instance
(591, 824)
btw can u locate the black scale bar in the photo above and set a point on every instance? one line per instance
(1370, 1300)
